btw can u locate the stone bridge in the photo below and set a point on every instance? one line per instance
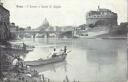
(46, 34)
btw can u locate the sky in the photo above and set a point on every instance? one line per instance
(67, 12)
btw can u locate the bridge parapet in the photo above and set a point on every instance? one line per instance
(33, 33)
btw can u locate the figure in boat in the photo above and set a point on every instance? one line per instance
(54, 58)
(61, 52)
(54, 54)
(65, 49)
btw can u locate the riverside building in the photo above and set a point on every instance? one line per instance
(101, 17)
(4, 23)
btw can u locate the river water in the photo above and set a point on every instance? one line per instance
(90, 60)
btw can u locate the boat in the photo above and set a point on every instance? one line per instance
(53, 59)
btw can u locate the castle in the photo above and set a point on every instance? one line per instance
(101, 17)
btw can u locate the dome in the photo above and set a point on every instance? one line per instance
(45, 25)
(45, 22)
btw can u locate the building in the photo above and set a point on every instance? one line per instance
(28, 28)
(13, 27)
(101, 17)
(45, 25)
(4, 23)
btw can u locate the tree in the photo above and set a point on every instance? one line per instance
(122, 28)
(91, 25)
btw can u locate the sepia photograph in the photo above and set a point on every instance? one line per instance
(63, 41)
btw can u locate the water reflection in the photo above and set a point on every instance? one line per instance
(90, 59)
(51, 67)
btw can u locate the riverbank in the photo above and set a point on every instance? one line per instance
(112, 36)
(12, 67)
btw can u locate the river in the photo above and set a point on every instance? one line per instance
(90, 60)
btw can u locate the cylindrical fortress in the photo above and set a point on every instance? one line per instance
(101, 17)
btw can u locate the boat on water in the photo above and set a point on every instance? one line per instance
(53, 59)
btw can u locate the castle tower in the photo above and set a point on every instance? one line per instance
(102, 16)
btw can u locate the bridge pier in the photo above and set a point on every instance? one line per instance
(47, 35)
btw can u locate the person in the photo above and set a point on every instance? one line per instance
(65, 49)
(18, 64)
(24, 46)
(15, 61)
(54, 54)
(15, 64)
